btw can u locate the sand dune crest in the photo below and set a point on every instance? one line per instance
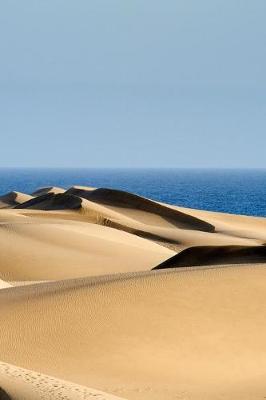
(46, 190)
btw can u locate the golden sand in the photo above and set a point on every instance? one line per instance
(83, 307)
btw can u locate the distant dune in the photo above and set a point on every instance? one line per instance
(51, 201)
(124, 200)
(12, 199)
(139, 300)
(46, 190)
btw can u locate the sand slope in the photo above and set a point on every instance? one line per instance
(12, 199)
(124, 200)
(23, 384)
(54, 249)
(197, 333)
(4, 285)
(51, 201)
(235, 225)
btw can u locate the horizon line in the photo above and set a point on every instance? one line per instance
(130, 168)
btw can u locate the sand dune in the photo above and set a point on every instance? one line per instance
(81, 305)
(46, 190)
(54, 249)
(12, 199)
(215, 255)
(229, 224)
(51, 201)
(58, 236)
(147, 224)
(125, 200)
(161, 223)
(154, 335)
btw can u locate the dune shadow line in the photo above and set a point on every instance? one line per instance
(215, 255)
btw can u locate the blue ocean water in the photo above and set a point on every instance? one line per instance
(232, 191)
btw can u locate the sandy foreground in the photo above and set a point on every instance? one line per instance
(107, 295)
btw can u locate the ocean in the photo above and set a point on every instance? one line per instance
(231, 191)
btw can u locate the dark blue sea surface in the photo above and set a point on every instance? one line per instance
(232, 191)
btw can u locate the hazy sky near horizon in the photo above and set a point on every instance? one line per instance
(117, 83)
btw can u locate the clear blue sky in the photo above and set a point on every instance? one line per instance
(133, 83)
